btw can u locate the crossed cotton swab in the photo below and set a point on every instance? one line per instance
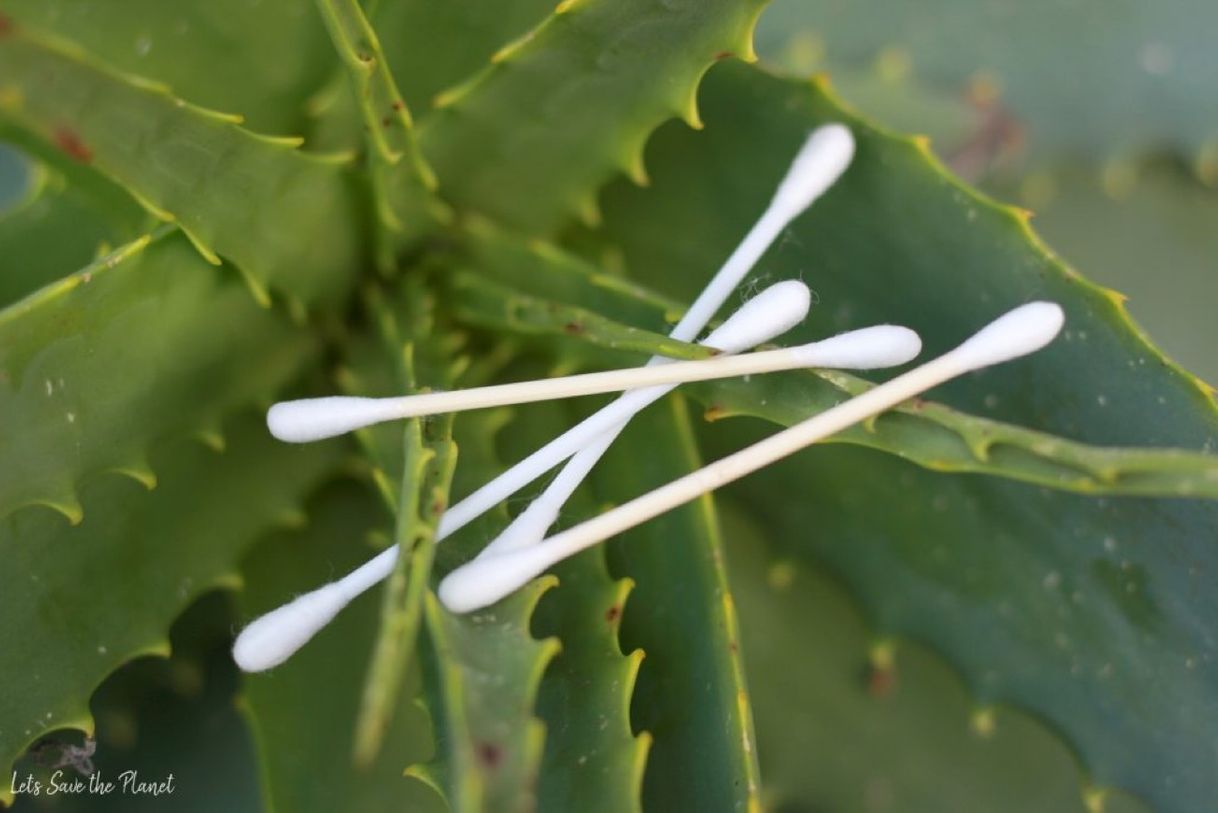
(820, 162)
(272, 638)
(487, 579)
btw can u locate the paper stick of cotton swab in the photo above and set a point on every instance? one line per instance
(820, 162)
(272, 638)
(316, 418)
(486, 580)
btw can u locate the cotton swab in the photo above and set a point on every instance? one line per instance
(272, 638)
(824, 156)
(316, 418)
(486, 580)
(821, 160)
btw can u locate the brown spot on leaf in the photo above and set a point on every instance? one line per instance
(385, 122)
(613, 613)
(573, 328)
(880, 682)
(68, 141)
(713, 413)
(6, 26)
(399, 105)
(724, 55)
(489, 754)
(437, 505)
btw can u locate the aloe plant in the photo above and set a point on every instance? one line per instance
(998, 598)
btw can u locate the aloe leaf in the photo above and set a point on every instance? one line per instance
(401, 180)
(847, 720)
(927, 433)
(237, 195)
(479, 301)
(482, 671)
(431, 46)
(1153, 53)
(136, 562)
(1086, 611)
(303, 712)
(99, 365)
(571, 102)
(259, 60)
(691, 694)
(415, 469)
(593, 760)
(481, 676)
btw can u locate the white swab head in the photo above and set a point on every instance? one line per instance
(870, 348)
(273, 638)
(484, 581)
(312, 419)
(1016, 333)
(822, 159)
(766, 316)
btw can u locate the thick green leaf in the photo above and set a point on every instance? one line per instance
(304, 712)
(414, 469)
(1090, 612)
(401, 181)
(529, 140)
(482, 671)
(1054, 63)
(478, 301)
(259, 60)
(846, 721)
(930, 434)
(593, 760)
(96, 367)
(238, 195)
(432, 46)
(78, 601)
(691, 694)
(481, 674)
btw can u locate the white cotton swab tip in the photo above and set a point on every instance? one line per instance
(822, 159)
(869, 348)
(770, 313)
(1023, 330)
(467, 588)
(273, 638)
(311, 419)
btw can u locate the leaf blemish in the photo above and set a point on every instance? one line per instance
(613, 613)
(71, 143)
(489, 754)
